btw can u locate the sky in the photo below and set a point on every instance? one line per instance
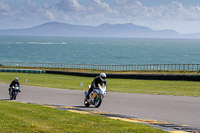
(180, 15)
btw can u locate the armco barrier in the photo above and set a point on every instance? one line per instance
(72, 73)
(183, 77)
(22, 70)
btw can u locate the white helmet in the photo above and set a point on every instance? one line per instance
(16, 78)
(102, 75)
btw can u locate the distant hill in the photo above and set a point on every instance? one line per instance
(104, 30)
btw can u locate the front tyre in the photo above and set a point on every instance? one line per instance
(11, 97)
(15, 95)
(98, 101)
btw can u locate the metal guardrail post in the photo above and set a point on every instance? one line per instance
(192, 67)
(157, 67)
(150, 67)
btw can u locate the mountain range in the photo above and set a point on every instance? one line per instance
(104, 30)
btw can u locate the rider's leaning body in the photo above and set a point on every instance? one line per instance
(97, 80)
(14, 83)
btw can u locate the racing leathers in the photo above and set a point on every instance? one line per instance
(14, 83)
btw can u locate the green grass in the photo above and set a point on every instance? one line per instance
(18, 117)
(160, 87)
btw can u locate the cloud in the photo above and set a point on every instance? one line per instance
(23, 15)
(100, 6)
(50, 15)
(4, 7)
(69, 6)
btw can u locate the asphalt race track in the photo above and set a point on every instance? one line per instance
(173, 109)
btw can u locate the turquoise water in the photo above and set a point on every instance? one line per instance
(77, 50)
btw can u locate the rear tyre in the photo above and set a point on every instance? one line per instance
(86, 103)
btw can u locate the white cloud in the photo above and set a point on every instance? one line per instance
(101, 6)
(69, 6)
(28, 14)
(4, 7)
(50, 15)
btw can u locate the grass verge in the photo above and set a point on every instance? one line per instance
(159, 87)
(18, 117)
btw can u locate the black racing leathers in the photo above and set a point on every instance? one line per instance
(14, 83)
(97, 80)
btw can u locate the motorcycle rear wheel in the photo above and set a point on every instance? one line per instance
(86, 103)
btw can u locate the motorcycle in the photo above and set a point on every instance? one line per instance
(96, 96)
(14, 92)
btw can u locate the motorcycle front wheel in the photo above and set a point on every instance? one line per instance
(98, 101)
(11, 97)
(15, 95)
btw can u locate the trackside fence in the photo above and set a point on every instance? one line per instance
(141, 67)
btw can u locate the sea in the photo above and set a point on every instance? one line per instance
(105, 51)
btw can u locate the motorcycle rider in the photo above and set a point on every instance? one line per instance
(14, 83)
(97, 80)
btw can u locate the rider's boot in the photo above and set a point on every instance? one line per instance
(89, 91)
